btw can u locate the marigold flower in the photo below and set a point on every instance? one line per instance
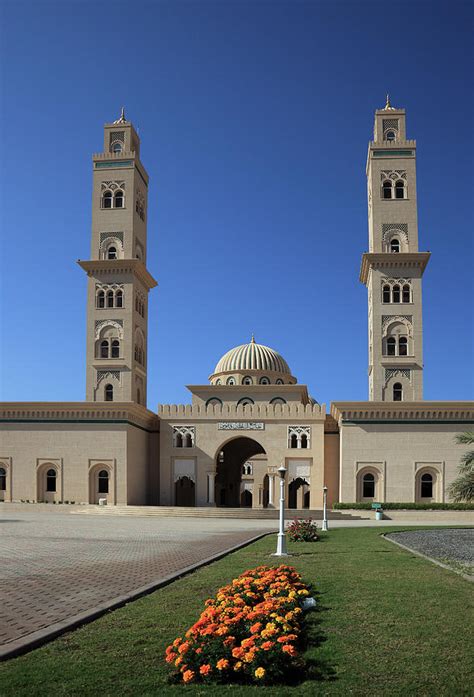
(188, 675)
(205, 669)
(229, 641)
(238, 665)
(178, 661)
(238, 652)
(222, 664)
(247, 643)
(289, 649)
(177, 642)
(260, 673)
(184, 647)
(170, 657)
(256, 627)
(267, 645)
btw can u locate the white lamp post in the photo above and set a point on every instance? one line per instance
(325, 510)
(281, 543)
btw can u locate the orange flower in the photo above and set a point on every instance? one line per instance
(205, 670)
(247, 643)
(238, 652)
(267, 645)
(260, 673)
(178, 661)
(238, 665)
(198, 650)
(177, 642)
(222, 664)
(229, 641)
(170, 657)
(289, 649)
(188, 675)
(256, 627)
(184, 647)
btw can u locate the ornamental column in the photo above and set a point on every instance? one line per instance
(271, 480)
(211, 476)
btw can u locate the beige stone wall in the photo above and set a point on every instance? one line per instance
(331, 466)
(399, 451)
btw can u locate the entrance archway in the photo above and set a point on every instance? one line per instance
(229, 461)
(298, 493)
(246, 499)
(184, 492)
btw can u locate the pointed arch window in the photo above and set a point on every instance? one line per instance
(368, 486)
(293, 440)
(406, 293)
(51, 480)
(117, 147)
(109, 393)
(395, 245)
(397, 392)
(112, 253)
(387, 189)
(403, 346)
(390, 136)
(391, 345)
(104, 348)
(400, 189)
(118, 199)
(110, 298)
(100, 299)
(115, 348)
(396, 294)
(3, 479)
(119, 299)
(426, 486)
(107, 199)
(103, 482)
(386, 294)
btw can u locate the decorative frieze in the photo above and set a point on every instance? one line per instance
(240, 426)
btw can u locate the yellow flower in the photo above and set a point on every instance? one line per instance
(260, 673)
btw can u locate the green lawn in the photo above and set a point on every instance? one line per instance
(387, 622)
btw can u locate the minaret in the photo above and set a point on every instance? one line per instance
(118, 283)
(393, 268)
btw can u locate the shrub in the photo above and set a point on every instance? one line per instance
(249, 633)
(393, 506)
(301, 530)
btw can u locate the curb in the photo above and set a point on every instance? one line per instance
(43, 636)
(425, 556)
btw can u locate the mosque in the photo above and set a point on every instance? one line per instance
(224, 448)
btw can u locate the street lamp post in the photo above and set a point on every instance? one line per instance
(281, 543)
(325, 510)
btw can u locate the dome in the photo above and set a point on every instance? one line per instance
(251, 358)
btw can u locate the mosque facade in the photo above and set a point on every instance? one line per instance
(225, 447)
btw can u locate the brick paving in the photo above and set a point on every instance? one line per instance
(55, 566)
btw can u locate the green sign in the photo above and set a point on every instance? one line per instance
(377, 506)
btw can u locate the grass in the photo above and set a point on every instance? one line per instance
(387, 621)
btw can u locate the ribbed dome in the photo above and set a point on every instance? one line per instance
(252, 356)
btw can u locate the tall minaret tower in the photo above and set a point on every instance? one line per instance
(118, 283)
(393, 267)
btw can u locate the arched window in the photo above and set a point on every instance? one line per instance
(397, 392)
(179, 440)
(368, 486)
(110, 298)
(51, 480)
(119, 299)
(109, 393)
(386, 294)
(231, 381)
(217, 382)
(214, 402)
(118, 199)
(279, 381)
(247, 381)
(403, 346)
(188, 441)
(304, 441)
(116, 147)
(112, 253)
(278, 400)
(264, 381)
(399, 189)
(107, 199)
(293, 440)
(391, 344)
(3, 479)
(245, 400)
(426, 486)
(115, 348)
(104, 348)
(396, 294)
(103, 482)
(395, 246)
(406, 293)
(387, 189)
(390, 136)
(101, 299)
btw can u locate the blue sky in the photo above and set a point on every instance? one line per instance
(254, 119)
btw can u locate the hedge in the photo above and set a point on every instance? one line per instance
(389, 506)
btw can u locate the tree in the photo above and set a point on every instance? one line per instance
(462, 489)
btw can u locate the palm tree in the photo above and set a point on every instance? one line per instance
(462, 489)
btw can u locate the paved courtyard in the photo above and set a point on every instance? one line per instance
(452, 547)
(56, 566)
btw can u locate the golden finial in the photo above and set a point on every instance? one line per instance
(252, 340)
(122, 118)
(388, 106)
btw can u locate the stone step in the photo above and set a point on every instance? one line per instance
(214, 512)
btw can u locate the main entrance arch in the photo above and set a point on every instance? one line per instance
(229, 462)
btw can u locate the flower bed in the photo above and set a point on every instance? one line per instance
(301, 530)
(250, 632)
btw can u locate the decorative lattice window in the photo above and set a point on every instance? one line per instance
(101, 374)
(299, 436)
(184, 436)
(397, 373)
(112, 185)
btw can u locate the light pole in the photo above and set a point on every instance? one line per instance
(281, 543)
(325, 510)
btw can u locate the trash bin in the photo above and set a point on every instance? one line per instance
(379, 514)
(103, 502)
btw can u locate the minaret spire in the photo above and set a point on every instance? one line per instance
(122, 118)
(388, 106)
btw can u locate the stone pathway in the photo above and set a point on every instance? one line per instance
(54, 567)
